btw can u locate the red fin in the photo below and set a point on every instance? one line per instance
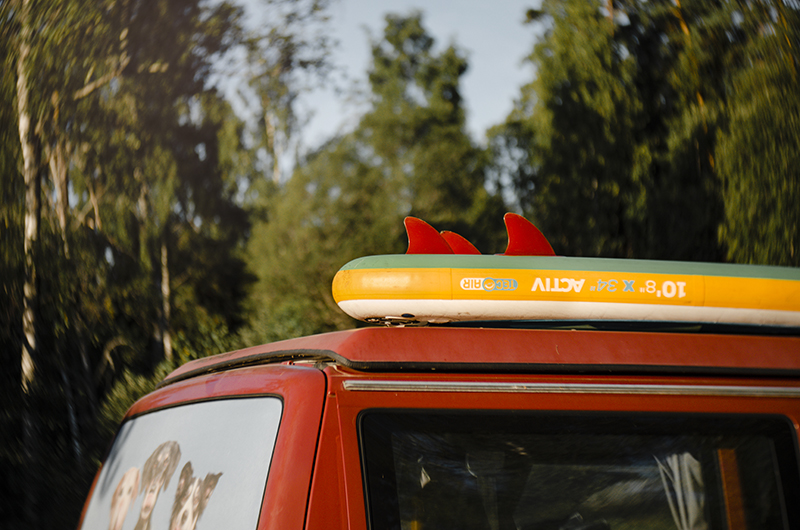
(524, 239)
(424, 239)
(458, 243)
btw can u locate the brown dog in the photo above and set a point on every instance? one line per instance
(191, 498)
(157, 471)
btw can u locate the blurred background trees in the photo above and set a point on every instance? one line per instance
(638, 136)
(409, 155)
(144, 222)
(124, 232)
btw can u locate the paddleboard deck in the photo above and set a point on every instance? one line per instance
(447, 287)
(444, 278)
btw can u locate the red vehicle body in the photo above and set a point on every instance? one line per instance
(328, 384)
(496, 424)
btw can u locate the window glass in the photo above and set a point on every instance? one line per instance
(520, 471)
(195, 466)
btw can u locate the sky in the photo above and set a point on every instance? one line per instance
(491, 33)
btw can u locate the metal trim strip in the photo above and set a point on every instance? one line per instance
(571, 388)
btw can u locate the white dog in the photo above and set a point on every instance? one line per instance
(126, 491)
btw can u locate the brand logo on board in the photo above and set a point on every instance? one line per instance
(489, 284)
(557, 285)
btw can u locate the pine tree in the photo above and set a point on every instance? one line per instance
(637, 136)
(759, 152)
(569, 141)
(409, 155)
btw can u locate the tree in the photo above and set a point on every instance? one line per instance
(759, 152)
(35, 31)
(416, 132)
(631, 140)
(282, 58)
(569, 141)
(335, 208)
(677, 159)
(410, 155)
(133, 230)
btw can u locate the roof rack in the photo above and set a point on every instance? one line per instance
(446, 348)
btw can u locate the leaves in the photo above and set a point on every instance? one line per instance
(651, 129)
(758, 151)
(138, 164)
(410, 155)
(632, 139)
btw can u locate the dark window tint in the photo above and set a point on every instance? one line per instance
(519, 471)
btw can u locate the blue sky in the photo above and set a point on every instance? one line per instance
(490, 32)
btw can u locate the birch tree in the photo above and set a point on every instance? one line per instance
(77, 67)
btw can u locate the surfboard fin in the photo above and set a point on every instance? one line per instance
(458, 243)
(424, 239)
(524, 239)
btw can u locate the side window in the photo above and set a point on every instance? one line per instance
(194, 466)
(518, 471)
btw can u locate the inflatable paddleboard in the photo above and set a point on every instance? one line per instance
(446, 287)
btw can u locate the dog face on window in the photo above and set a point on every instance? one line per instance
(191, 498)
(126, 491)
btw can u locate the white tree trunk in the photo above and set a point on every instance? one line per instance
(32, 197)
(30, 440)
(166, 336)
(58, 172)
(273, 144)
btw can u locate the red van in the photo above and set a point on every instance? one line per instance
(486, 403)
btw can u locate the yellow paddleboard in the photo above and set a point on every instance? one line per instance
(447, 287)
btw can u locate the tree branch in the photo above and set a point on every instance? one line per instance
(100, 81)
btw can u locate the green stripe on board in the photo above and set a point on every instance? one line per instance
(432, 261)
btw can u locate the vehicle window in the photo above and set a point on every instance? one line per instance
(195, 466)
(520, 471)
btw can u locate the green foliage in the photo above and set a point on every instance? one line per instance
(140, 244)
(415, 132)
(410, 155)
(762, 193)
(333, 209)
(637, 136)
(574, 124)
(759, 152)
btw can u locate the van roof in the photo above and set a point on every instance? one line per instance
(485, 350)
(530, 311)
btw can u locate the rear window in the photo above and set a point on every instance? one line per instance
(200, 465)
(512, 470)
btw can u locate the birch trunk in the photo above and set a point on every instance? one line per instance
(31, 178)
(166, 336)
(32, 198)
(272, 147)
(58, 172)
